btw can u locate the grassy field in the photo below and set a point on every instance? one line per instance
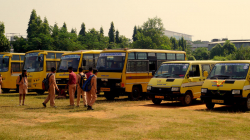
(119, 119)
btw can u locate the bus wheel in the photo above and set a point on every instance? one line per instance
(135, 94)
(40, 92)
(109, 96)
(248, 103)
(187, 100)
(210, 105)
(5, 90)
(156, 101)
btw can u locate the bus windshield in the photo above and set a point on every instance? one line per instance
(111, 62)
(69, 61)
(4, 63)
(172, 70)
(229, 71)
(33, 62)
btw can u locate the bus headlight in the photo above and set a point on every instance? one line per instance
(118, 84)
(175, 89)
(149, 87)
(235, 91)
(203, 90)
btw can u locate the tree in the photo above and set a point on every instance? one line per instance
(82, 31)
(174, 43)
(229, 47)
(64, 28)
(217, 50)
(183, 44)
(4, 42)
(117, 38)
(73, 31)
(101, 31)
(153, 25)
(134, 34)
(33, 18)
(201, 53)
(20, 44)
(112, 33)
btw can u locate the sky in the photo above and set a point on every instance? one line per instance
(203, 19)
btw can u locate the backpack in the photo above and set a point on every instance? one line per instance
(45, 83)
(87, 84)
(17, 86)
(83, 80)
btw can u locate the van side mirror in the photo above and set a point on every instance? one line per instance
(205, 73)
(83, 62)
(153, 72)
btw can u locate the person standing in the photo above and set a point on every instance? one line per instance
(52, 87)
(90, 72)
(22, 81)
(71, 86)
(0, 83)
(80, 92)
(91, 95)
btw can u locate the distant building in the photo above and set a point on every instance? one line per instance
(195, 46)
(177, 35)
(237, 43)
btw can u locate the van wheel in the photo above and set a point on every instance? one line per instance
(187, 100)
(135, 94)
(210, 105)
(109, 96)
(156, 101)
(5, 90)
(40, 92)
(247, 106)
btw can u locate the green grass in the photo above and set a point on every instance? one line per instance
(119, 119)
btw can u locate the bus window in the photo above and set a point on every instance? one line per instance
(131, 55)
(180, 56)
(96, 58)
(50, 64)
(21, 65)
(161, 56)
(33, 62)
(152, 65)
(69, 61)
(58, 55)
(15, 67)
(22, 57)
(50, 56)
(111, 62)
(4, 63)
(89, 61)
(170, 56)
(15, 57)
(141, 55)
(138, 66)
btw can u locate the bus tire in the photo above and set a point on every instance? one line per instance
(40, 92)
(187, 99)
(156, 101)
(6, 90)
(109, 96)
(135, 94)
(210, 105)
(247, 104)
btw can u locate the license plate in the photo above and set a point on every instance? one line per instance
(105, 89)
(159, 97)
(217, 101)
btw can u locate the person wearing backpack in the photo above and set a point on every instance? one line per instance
(22, 81)
(91, 95)
(88, 74)
(71, 86)
(81, 78)
(51, 90)
(0, 83)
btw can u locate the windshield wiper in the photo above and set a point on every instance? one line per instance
(221, 77)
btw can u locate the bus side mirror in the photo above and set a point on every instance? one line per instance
(84, 62)
(153, 73)
(205, 73)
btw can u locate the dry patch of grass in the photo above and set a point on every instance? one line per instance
(119, 119)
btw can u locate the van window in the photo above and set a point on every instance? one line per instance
(205, 67)
(170, 56)
(194, 71)
(15, 57)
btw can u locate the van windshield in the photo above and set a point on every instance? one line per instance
(33, 62)
(111, 62)
(229, 71)
(172, 70)
(4, 63)
(69, 61)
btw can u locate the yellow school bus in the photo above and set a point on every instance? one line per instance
(228, 83)
(77, 59)
(128, 71)
(178, 81)
(38, 64)
(10, 67)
